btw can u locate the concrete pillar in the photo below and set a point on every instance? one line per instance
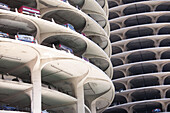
(38, 4)
(36, 91)
(93, 107)
(166, 107)
(130, 110)
(157, 53)
(129, 98)
(161, 80)
(79, 92)
(159, 67)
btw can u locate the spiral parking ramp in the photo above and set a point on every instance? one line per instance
(140, 38)
(39, 77)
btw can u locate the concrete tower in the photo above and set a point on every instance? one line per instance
(140, 37)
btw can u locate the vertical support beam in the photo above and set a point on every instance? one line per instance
(36, 91)
(80, 99)
(93, 107)
(79, 93)
(30, 94)
(38, 4)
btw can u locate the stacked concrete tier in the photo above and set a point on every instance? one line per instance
(140, 37)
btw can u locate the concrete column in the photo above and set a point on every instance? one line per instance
(36, 91)
(130, 110)
(161, 80)
(129, 97)
(79, 92)
(127, 85)
(38, 4)
(157, 53)
(159, 67)
(166, 107)
(125, 60)
(163, 107)
(93, 107)
(30, 94)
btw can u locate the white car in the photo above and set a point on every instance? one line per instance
(26, 38)
(4, 6)
(4, 35)
(65, 48)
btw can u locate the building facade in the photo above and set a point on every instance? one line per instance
(55, 56)
(140, 55)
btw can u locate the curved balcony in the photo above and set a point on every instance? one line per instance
(141, 106)
(140, 55)
(95, 11)
(54, 34)
(140, 19)
(56, 70)
(80, 21)
(142, 30)
(144, 95)
(140, 7)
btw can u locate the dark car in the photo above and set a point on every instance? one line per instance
(6, 107)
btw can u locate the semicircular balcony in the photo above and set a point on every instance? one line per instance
(144, 42)
(148, 107)
(66, 11)
(53, 71)
(136, 8)
(140, 96)
(141, 18)
(51, 37)
(142, 30)
(143, 80)
(140, 7)
(97, 13)
(144, 67)
(140, 55)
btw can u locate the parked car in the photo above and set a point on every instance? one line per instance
(65, 48)
(69, 26)
(49, 86)
(26, 38)
(10, 78)
(29, 11)
(64, 0)
(4, 35)
(86, 59)
(156, 110)
(6, 107)
(4, 6)
(45, 111)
